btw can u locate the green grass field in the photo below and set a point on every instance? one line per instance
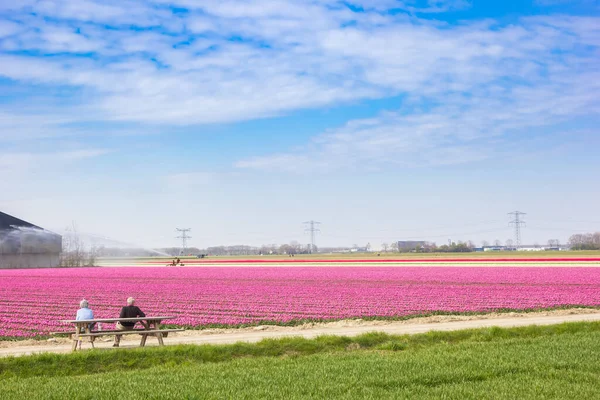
(559, 361)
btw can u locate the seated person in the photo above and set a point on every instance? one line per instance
(85, 312)
(129, 311)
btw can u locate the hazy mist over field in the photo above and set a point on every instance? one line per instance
(384, 120)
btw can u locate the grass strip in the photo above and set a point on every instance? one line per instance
(496, 364)
(113, 360)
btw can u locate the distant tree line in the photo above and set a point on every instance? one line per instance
(429, 247)
(459, 247)
(236, 250)
(292, 248)
(585, 241)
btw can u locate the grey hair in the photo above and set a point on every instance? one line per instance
(130, 301)
(83, 303)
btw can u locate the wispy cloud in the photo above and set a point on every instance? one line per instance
(183, 62)
(13, 164)
(289, 55)
(190, 179)
(473, 92)
(460, 129)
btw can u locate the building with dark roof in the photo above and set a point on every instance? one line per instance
(24, 245)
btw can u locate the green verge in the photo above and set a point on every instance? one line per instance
(557, 361)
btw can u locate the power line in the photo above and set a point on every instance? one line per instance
(311, 228)
(184, 237)
(516, 223)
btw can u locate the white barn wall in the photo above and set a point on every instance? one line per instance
(9, 261)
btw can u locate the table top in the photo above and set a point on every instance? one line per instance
(148, 318)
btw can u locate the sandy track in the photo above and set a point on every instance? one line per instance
(347, 328)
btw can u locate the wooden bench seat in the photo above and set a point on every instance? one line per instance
(165, 332)
(151, 328)
(102, 331)
(110, 331)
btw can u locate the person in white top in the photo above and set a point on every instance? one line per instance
(85, 312)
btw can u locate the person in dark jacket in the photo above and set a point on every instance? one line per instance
(129, 311)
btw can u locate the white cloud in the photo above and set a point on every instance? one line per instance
(15, 125)
(292, 55)
(112, 12)
(462, 129)
(14, 164)
(8, 28)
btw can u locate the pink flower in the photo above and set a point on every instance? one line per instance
(243, 295)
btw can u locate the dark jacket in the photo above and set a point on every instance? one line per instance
(130, 312)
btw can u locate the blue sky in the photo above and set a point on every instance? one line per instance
(385, 120)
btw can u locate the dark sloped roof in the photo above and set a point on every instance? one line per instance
(8, 222)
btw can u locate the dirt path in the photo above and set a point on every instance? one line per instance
(346, 327)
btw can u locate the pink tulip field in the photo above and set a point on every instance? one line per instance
(32, 302)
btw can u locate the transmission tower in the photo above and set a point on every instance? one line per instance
(184, 237)
(516, 223)
(313, 230)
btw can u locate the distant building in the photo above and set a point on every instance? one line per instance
(24, 245)
(495, 248)
(359, 250)
(409, 244)
(533, 248)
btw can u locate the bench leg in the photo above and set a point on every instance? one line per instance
(89, 330)
(76, 338)
(159, 336)
(143, 341)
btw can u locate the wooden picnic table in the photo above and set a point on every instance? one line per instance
(151, 326)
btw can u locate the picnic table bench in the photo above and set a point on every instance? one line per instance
(150, 327)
